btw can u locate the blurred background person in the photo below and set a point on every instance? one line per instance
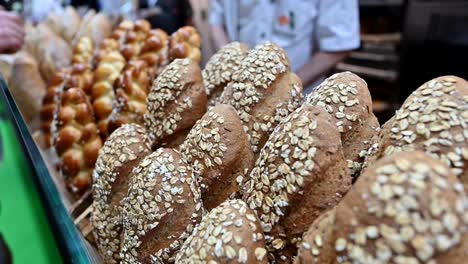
(168, 15)
(11, 31)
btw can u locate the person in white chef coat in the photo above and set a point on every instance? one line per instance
(316, 34)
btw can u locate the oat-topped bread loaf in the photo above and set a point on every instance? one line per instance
(176, 100)
(122, 151)
(405, 208)
(161, 209)
(264, 91)
(130, 95)
(185, 43)
(221, 67)
(76, 139)
(230, 233)
(346, 98)
(434, 119)
(218, 150)
(300, 173)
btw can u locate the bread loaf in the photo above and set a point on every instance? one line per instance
(123, 150)
(176, 100)
(77, 140)
(264, 91)
(130, 95)
(218, 150)
(221, 67)
(95, 26)
(83, 51)
(66, 24)
(230, 233)
(185, 43)
(53, 54)
(346, 98)
(134, 39)
(300, 173)
(155, 51)
(110, 64)
(433, 119)
(405, 208)
(161, 209)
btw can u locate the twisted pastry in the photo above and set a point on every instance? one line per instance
(135, 39)
(77, 140)
(154, 51)
(185, 43)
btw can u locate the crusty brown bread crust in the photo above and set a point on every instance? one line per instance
(123, 150)
(221, 67)
(264, 91)
(301, 173)
(230, 233)
(218, 150)
(433, 119)
(405, 208)
(161, 209)
(347, 99)
(175, 102)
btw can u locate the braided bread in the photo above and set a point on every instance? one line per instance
(220, 154)
(263, 92)
(346, 98)
(108, 69)
(130, 96)
(122, 151)
(161, 209)
(135, 39)
(175, 102)
(185, 43)
(77, 140)
(154, 51)
(120, 32)
(230, 233)
(83, 51)
(221, 67)
(300, 173)
(433, 119)
(405, 208)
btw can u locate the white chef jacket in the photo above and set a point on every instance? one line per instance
(300, 27)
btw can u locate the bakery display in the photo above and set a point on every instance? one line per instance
(230, 233)
(347, 99)
(405, 208)
(218, 150)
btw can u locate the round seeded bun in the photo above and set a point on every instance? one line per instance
(264, 92)
(162, 207)
(176, 100)
(122, 151)
(218, 150)
(406, 208)
(301, 173)
(230, 233)
(347, 99)
(433, 119)
(221, 67)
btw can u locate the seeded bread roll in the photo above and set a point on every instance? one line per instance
(76, 139)
(230, 233)
(185, 43)
(264, 91)
(300, 173)
(221, 67)
(123, 150)
(218, 150)
(433, 119)
(405, 208)
(161, 209)
(176, 100)
(346, 98)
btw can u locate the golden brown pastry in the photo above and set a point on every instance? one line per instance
(218, 150)
(161, 209)
(76, 141)
(134, 39)
(155, 51)
(176, 100)
(230, 233)
(405, 208)
(185, 43)
(83, 51)
(221, 67)
(122, 151)
(264, 92)
(347, 99)
(300, 173)
(433, 119)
